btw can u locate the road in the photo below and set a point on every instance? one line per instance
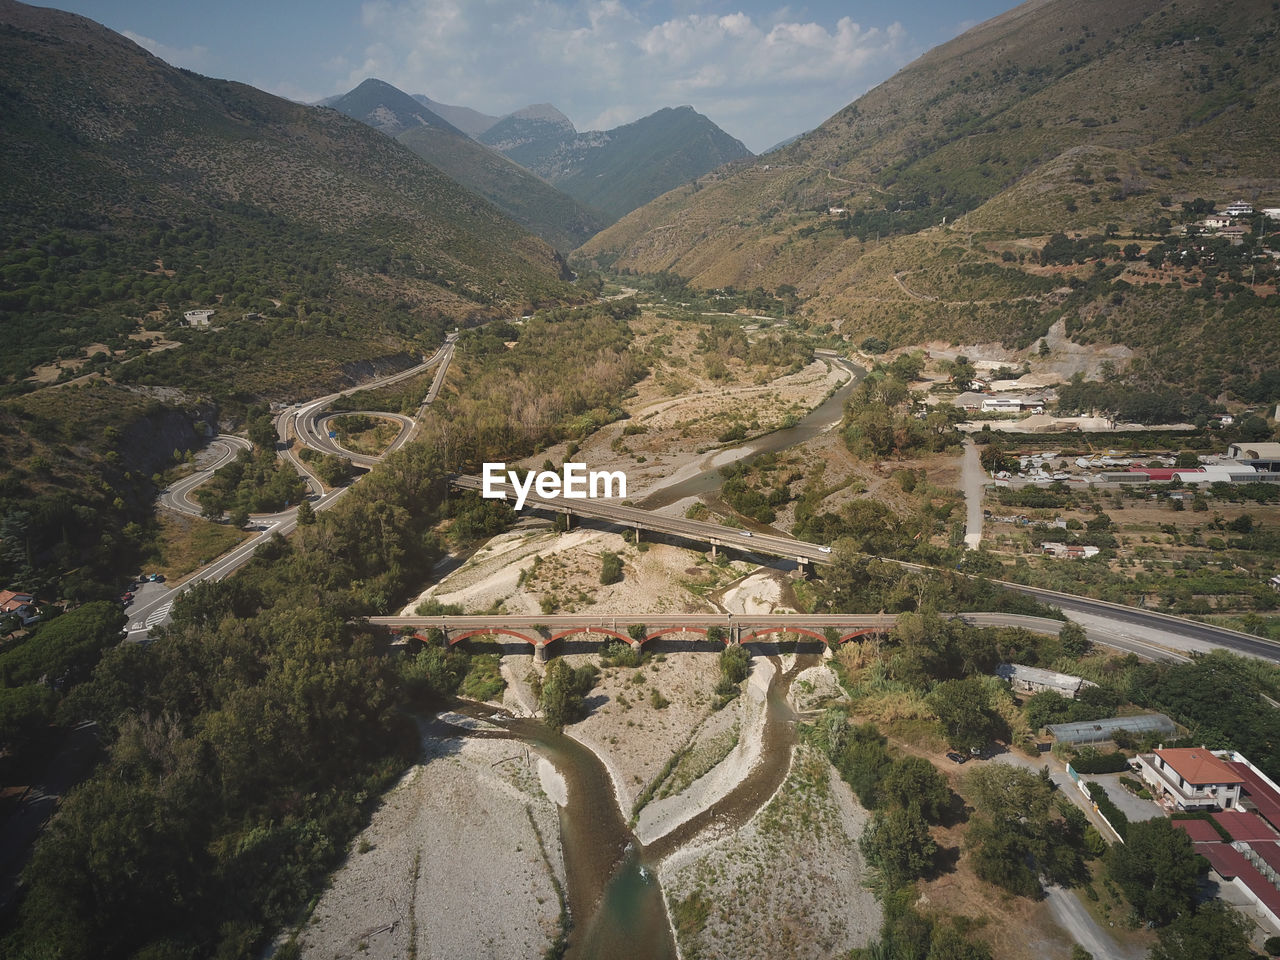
(1145, 632)
(155, 609)
(972, 483)
(177, 496)
(307, 421)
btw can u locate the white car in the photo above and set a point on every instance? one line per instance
(745, 533)
(824, 549)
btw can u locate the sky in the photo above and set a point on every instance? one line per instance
(761, 70)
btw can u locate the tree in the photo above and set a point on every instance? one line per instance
(914, 780)
(1157, 868)
(564, 690)
(898, 845)
(239, 517)
(306, 515)
(961, 708)
(1213, 930)
(1075, 642)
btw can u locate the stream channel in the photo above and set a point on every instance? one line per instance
(613, 894)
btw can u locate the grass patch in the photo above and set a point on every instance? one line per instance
(689, 916)
(187, 543)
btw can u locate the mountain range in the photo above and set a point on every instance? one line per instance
(911, 213)
(537, 206)
(139, 187)
(607, 173)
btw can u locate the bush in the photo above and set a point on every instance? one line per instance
(610, 568)
(1089, 760)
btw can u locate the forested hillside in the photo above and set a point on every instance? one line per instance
(921, 211)
(538, 207)
(131, 191)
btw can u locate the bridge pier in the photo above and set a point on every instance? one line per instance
(637, 535)
(540, 651)
(713, 549)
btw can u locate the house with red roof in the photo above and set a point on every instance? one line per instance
(1190, 778)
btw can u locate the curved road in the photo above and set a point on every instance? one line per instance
(145, 614)
(178, 495)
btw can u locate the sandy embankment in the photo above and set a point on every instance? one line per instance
(791, 883)
(451, 864)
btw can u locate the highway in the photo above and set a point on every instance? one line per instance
(308, 421)
(614, 511)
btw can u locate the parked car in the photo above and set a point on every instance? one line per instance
(956, 757)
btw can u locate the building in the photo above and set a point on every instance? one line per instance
(1100, 731)
(1259, 456)
(1024, 679)
(1190, 778)
(197, 318)
(1069, 551)
(1012, 404)
(1239, 208)
(1247, 859)
(1215, 222)
(11, 601)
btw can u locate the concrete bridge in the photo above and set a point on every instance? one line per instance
(717, 630)
(638, 518)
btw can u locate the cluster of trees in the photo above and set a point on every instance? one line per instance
(1020, 830)
(750, 500)
(1131, 403)
(907, 795)
(38, 670)
(721, 340)
(256, 481)
(563, 691)
(880, 419)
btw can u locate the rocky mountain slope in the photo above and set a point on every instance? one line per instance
(915, 212)
(130, 188)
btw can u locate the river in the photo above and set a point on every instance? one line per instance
(614, 894)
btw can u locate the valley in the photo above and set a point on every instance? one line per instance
(949, 431)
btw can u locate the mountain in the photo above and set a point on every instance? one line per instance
(615, 170)
(132, 191)
(471, 122)
(538, 207)
(385, 108)
(532, 136)
(920, 211)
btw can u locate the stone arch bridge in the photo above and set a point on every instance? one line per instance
(716, 629)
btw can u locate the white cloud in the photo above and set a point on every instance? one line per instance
(193, 58)
(760, 76)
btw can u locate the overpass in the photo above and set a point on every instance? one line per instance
(637, 518)
(714, 628)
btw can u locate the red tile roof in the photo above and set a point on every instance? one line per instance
(1228, 861)
(1259, 793)
(1198, 766)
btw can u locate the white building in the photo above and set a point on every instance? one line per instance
(197, 318)
(1239, 208)
(1190, 778)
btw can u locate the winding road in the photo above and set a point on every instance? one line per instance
(306, 421)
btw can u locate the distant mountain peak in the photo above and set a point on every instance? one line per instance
(544, 112)
(388, 109)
